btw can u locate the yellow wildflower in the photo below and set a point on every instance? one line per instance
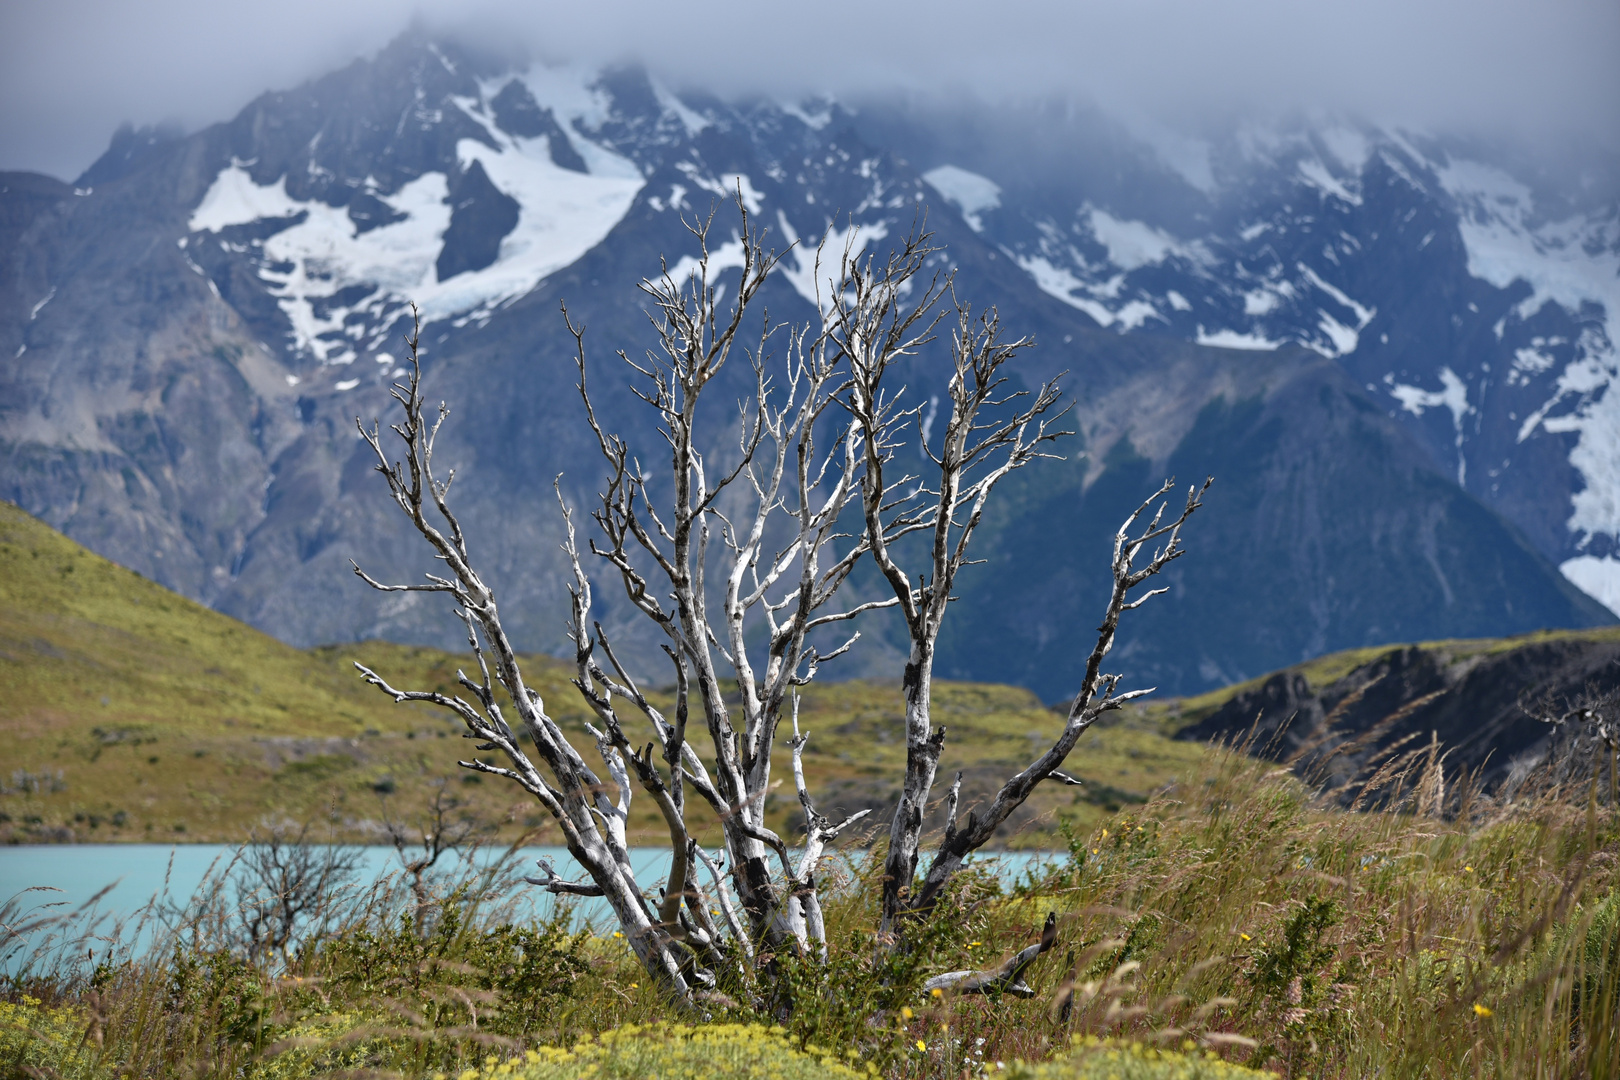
(922, 1045)
(1468, 869)
(936, 992)
(906, 1013)
(1481, 1010)
(1244, 936)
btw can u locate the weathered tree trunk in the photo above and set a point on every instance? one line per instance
(923, 747)
(754, 623)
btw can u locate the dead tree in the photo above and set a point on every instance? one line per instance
(990, 431)
(735, 556)
(572, 794)
(664, 537)
(1590, 721)
(707, 554)
(435, 834)
(287, 888)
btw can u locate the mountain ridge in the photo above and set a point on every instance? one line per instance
(197, 330)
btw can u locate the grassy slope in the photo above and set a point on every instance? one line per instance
(130, 713)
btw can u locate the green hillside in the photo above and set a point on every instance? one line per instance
(130, 713)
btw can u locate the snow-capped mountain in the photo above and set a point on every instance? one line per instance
(1332, 321)
(1487, 318)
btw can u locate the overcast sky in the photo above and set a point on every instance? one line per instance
(72, 70)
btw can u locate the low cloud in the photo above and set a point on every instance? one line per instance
(72, 70)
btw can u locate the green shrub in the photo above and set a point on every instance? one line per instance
(332, 1044)
(1106, 1059)
(34, 1038)
(504, 979)
(673, 1052)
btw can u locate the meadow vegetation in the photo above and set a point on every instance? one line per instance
(130, 713)
(1214, 913)
(1234, 921)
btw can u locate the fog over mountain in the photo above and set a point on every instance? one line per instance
(1542, 73)
(1384, 316)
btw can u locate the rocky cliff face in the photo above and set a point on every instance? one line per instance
(1464, 695)
(1472, 294)
(193, 326)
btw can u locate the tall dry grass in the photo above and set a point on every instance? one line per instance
(1434, 931)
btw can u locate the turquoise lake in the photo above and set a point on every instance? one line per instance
(68, 876)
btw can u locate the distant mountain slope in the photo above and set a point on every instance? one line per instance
(1345, 715)
(128, 713)
(1473, 291)
(1313, 483)
(192, 327)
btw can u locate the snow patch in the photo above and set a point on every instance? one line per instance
(973, 194)
(1260, 302)
(1596, 423)
(815, 121)
(1597, 578)
(690, 119)
(1135, 313)
(1061, 282)
(1532, 361)
(234, 199)
(562, 214)
(1132, 244)
(728, 256)
(803, 272)
(1316, 174)
(1453, 395)
(1231, 339)
(578, 103)
(1343, 339)
(1570, 263)
(727, 186)
(1364, 315)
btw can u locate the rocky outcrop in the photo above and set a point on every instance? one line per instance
(1464, 695)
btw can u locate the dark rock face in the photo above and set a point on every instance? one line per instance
(191, 333)
(1464, 696)
(481, 217)
(1442, 276)
(1314, 482)
(517, 113)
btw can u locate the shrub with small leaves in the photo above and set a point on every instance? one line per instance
(511, 976)
(674, 1052)
(1107, 1059)
(34, 1039)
